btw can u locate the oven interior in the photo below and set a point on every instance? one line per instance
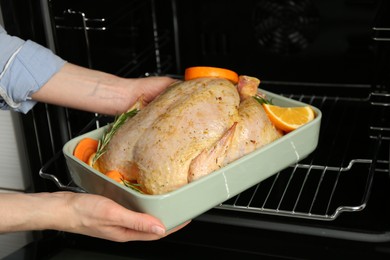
(331, 54)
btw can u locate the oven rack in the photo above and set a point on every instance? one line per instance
(120, 25)
(311, 191)
(84, 18)
(316, 187)
(254, 203)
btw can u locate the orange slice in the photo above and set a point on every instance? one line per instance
(90, 160)
(85, 148)
(200, 72)
(289, 118)
(115, 175)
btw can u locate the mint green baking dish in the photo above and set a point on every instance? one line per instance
(193, 199)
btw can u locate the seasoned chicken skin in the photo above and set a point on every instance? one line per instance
(190, 130)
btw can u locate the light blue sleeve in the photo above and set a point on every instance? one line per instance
(25, 67)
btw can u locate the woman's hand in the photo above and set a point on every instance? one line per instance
(101, 217)
(149, 87)
(86, 214)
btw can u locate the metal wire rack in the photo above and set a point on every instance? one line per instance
(331, 180)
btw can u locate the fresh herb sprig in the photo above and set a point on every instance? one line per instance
(133, 186)
(262, 99)
(107, 136)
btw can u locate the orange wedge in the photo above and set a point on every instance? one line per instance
(90, 160)
(200, 72)
(115, 175)
(85, 148)
(289, 118)
(93, 165)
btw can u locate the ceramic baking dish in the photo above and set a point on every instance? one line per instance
(193, 199)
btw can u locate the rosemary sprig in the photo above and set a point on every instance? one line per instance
(133, 186)
(262, 99)
(107, 136)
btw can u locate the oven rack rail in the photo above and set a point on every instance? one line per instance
(84, 21)
(307, 213)
(79, 20)
(314, 187)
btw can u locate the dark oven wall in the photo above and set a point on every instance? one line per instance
(313, 41)
(298, 41)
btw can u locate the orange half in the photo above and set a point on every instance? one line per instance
(115, 175)
(289, 118)
(85, 148)
(201, 72)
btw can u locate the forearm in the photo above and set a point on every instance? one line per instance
(90, 90)
(21, 212)
(95, 91)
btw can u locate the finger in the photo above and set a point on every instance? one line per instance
(178, 227)
(131, 235)
(156, 85)
(141, 222)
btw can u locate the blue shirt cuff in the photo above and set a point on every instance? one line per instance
(32, 67)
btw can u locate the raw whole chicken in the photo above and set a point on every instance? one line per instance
(192, 129)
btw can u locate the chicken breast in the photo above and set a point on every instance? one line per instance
(189, 131)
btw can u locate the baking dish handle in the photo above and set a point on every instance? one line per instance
(43, 174)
